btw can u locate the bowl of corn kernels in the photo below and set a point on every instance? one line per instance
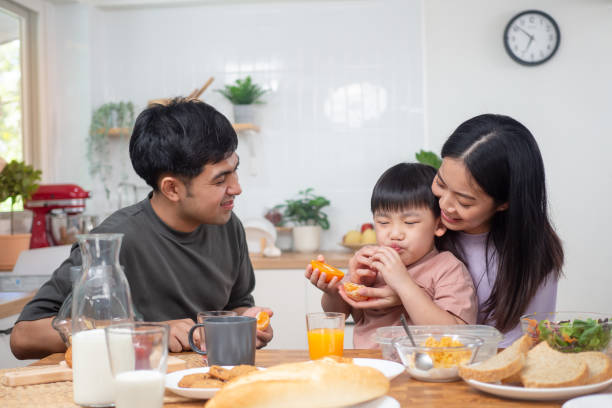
(447, 352)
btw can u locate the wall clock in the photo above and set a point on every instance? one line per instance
(531, 37)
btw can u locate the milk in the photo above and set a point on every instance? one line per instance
(139, 389)
(92, 380)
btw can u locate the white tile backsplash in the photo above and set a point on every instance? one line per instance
(345, 80)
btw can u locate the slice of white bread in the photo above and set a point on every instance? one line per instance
(502, 365)
(548, 368)
(321, 383)
(599, 366)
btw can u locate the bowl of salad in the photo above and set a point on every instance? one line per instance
(570, 332)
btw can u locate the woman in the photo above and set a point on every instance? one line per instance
(492, 194)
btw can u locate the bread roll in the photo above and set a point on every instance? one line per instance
(312, 384)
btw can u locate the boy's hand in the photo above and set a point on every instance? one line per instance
(318, 279)
(388, 262)
(380, 298)
(360, 266)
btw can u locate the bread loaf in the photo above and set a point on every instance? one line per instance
(506, 364)
(548, 368)
(598, 364)
(312, 384)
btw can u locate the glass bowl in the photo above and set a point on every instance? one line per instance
(570, 332)
(446, 357)
(384, 337)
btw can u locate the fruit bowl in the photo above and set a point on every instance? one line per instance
(570, 332)
(354, 247)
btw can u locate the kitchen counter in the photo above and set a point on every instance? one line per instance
(11, 303)
(297, 260)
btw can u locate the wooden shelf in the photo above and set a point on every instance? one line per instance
(115, 131)
(245, 126)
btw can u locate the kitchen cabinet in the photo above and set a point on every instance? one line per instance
(290, 296)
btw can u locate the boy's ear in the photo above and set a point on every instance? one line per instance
(502, 207)
(171, 188)
(440, 228)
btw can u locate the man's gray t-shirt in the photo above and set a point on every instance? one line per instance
(172, 274)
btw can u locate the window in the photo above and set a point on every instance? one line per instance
(16, 65)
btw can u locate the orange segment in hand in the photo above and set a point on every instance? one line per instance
(328, 270)
(351, 291)
(263, 320)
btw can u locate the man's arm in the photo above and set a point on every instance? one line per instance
(35, 339)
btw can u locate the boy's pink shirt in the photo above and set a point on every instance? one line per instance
(443, 277)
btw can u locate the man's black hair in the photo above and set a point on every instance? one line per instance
(179, 138)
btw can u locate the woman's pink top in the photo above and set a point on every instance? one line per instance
(473, 247)
(443, 277)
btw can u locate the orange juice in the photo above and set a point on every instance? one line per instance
(325, 342)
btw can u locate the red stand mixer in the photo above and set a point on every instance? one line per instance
(52, 201)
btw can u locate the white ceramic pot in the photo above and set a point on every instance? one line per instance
(306, 238)
(244, 114)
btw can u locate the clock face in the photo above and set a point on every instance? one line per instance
(532, 37)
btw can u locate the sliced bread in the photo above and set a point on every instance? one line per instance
(502, 365)
(548, 368)
(598, 364)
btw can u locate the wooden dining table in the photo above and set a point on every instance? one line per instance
(407, 391)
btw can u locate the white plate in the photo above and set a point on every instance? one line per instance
(382, 402)
(538, 394)
(590, 401)
(390, 369)
(173, 379)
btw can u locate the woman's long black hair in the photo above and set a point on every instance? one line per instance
(503, 157)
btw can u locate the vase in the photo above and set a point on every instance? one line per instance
(244, 114)
(100, 298)
(306, 238)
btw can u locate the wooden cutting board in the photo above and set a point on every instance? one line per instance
(61, 372)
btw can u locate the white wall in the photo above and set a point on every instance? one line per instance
(566, 103)
(346, 80)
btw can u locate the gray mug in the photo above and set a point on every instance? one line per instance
(230, 340)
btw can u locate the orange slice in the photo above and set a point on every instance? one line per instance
(263, 320)
(329, 270)
(351, 291)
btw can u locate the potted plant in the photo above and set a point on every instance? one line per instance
(109, 122)
(17, 181)
(243, 94)
(308, 219)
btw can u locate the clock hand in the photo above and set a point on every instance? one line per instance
(528, 44)
(528, 35)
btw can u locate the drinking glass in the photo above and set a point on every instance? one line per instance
(325, 334)
(138, 355)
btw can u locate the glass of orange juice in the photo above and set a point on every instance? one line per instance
(325, 334)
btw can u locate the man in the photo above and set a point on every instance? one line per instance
(183, 249)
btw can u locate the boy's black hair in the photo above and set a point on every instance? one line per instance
(179, 138)
(403, 186)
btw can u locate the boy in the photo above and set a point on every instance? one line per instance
(431, 287)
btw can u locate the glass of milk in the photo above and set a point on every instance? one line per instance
(138, 354)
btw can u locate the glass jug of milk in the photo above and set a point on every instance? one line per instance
(100, 298)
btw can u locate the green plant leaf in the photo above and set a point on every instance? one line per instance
(243, 92)
(18, 180)
(305, 210)
(429, 158)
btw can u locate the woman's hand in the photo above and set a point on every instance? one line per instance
(379, 298)
(360, 266)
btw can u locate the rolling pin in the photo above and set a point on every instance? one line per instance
(61, 372)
